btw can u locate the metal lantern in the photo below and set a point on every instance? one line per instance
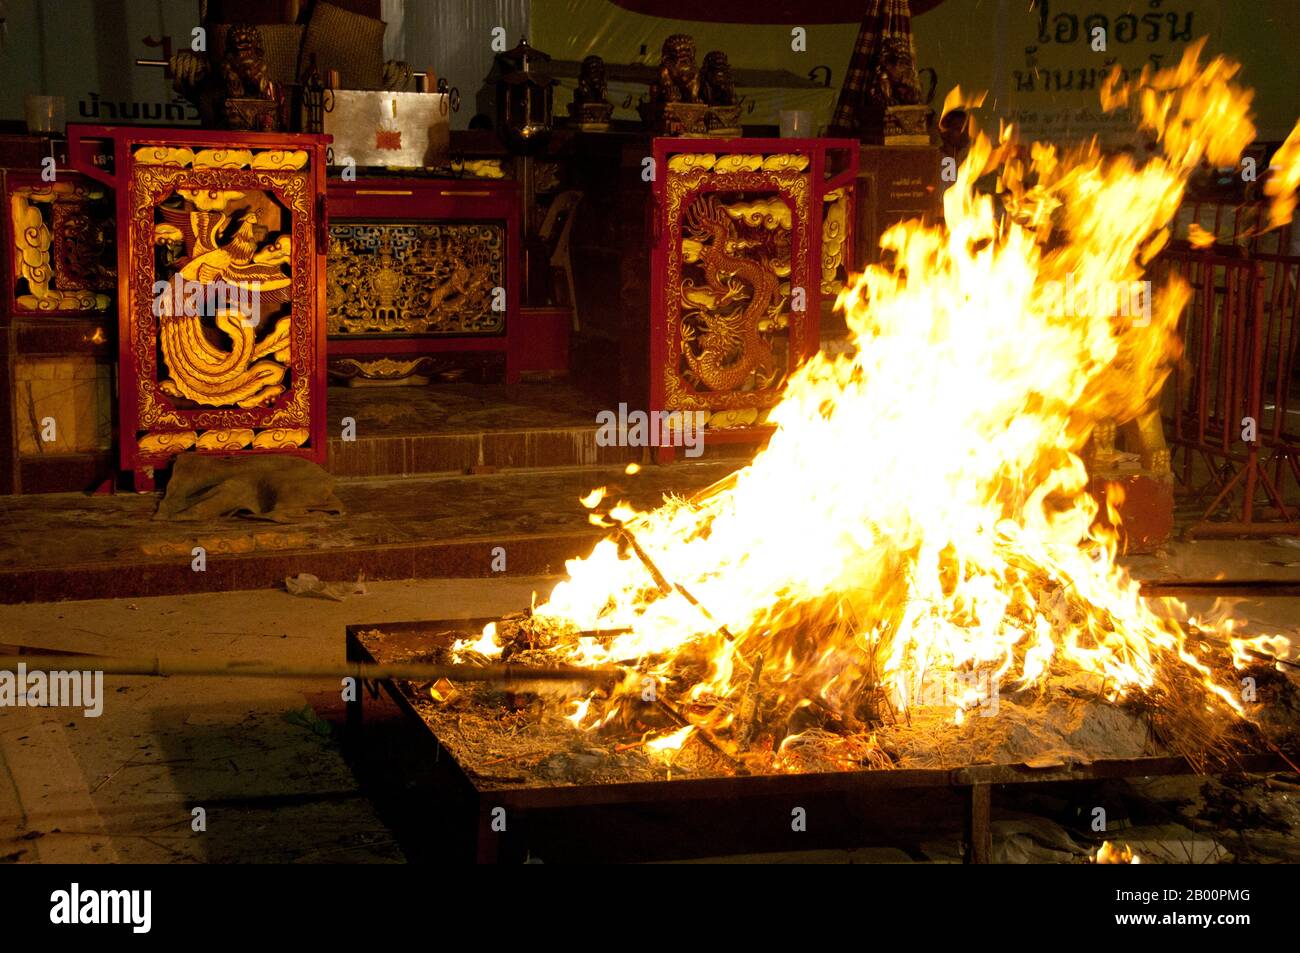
(524, 98)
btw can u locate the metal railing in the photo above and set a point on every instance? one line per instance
(1232, 404)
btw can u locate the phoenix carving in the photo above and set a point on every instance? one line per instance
(234, 270)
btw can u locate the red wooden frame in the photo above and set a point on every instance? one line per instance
(806, 251)
(424, 200)
(105, 153)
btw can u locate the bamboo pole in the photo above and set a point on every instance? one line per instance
(413, 671)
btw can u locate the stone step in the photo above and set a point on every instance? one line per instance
(473, 428)
(481, 451)
(61, 546)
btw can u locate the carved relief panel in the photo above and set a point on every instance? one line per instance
(220, 320)
(748, 245)
(415, 278)
(422, 277)
(61, 236)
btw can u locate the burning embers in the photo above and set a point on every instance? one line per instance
(921, 515)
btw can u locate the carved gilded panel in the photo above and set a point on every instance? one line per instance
(63, 252)
(220, 301)
(737, 282)
(395, 278)
(222, 257)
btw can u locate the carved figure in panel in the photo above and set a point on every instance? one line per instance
(224, 281)
(398, 278)
(84, 255)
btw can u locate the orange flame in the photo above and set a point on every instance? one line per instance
(1108, 853)
(921, 508)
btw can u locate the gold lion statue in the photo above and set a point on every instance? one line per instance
(679, 78)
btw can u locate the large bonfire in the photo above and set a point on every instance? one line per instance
(921, 509)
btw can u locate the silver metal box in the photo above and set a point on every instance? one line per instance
(379, 128)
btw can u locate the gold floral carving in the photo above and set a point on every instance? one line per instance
(31, 252)
(280, 159)
(163, 155)
(686, 161)
(785, 162)
(292, 159)
(738, 163)
(480, 168)
(223, 159)
(769, 213)
(385, 368)
(726, 419)
(835, 230)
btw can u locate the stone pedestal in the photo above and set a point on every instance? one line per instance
(591, 117)
(675, 119)
(723, 121)
(254, 115)
(908, 125)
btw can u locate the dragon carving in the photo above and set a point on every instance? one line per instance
(731, 347)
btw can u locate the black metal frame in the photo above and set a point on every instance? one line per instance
(849, 798)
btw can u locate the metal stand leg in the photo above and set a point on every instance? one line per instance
(353, 712)
(487, 846)
(979, 839)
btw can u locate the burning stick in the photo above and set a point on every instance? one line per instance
(752, 694)
(603, 635)
(703, 611)
(714, 488)
(702, 733)
(625, 534)
(662, 582)
(1210, 640)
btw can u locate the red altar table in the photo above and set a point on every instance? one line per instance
(422, 267)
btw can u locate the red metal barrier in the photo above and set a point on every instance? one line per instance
(1235, 223)
(1280, 420)
(1233, 403)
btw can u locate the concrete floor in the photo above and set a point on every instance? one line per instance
(255, 754)
(259, 756)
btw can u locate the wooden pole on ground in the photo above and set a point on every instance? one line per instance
(412, 671)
